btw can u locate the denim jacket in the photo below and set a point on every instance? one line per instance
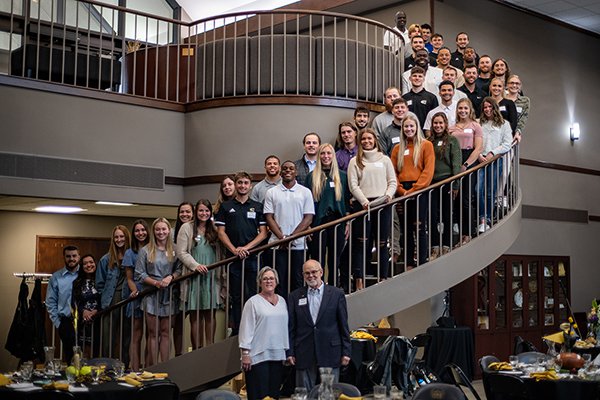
(106, 281)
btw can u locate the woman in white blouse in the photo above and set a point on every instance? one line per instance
(497, 139)
(263, 337)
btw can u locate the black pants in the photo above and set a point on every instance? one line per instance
(441, 197)
(66, 332)
(415, 210)
(466, 205)
(326, 247)
(264, 379)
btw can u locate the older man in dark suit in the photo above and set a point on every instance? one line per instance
(318, 327)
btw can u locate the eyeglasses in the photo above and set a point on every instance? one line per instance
(314, 272)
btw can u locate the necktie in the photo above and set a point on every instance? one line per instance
(314, 304)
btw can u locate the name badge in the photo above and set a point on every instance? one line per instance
(441, 142)
(378, 164)
(407, 152)
(502, 108)
(468, 130)
(424, 101)
(409, 102)
(519, 109)
(332, 184)
(396, 139)
(302, 302)
(251, 214)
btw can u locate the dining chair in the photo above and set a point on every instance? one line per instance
(439, 391)
(422, 340)
(531, 357)
(507, 387)
(158, 390)
(460, 379)
(346, 388)
(523, 346)
(484, 363)
(50, 395)
(218, 394)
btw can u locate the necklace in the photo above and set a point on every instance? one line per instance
(271, 299)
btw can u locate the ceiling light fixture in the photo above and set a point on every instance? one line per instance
(114, 203)
(59, 209)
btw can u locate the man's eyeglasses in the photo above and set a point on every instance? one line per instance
(308, 273)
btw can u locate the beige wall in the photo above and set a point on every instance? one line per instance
(17, 254)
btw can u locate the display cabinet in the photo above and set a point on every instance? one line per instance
(514, 296)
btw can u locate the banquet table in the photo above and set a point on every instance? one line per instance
(566, 388)
(104, 391)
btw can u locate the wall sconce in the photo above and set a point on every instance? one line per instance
(574, 131)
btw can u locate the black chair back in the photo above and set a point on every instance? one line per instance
(50, 395)
(460, 379)
(421, 340)
(158, 390)
(346, 388)
(439, 391)
(523, 346)
(218, 394)
(484, 363)
(507, 387)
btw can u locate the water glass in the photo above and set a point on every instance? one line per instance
(301, 393)
(514, 361)
(587, 359)
(379, 392)
(96, 375)
(119, 368)
(541, 363)
(395, 393)
(71, 374)
(557, 365)
(26, 370)
(56, 366)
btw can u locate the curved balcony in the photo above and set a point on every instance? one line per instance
(257, 55)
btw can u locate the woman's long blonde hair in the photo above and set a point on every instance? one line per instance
(115, 254)
(320, 178)
(417, 140)
(360, 153)
(153, 246)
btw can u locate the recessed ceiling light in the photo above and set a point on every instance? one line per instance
(113, 203)
(59, 209)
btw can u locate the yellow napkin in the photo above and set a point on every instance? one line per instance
(4, 380)
(546, 375)
(344, 397)
(57, 386)
(500, 366)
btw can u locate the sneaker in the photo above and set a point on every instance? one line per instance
(445, 250)
(483, 227)
(435, 253)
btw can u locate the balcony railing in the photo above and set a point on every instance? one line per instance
(490, 189)
(259, 53)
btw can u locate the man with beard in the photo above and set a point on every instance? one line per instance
(272, 179)
(462, 42)
(450, 74)
(447, 106)
(385, 118)
(362, 117)
(470, 88)
(306, 163)
(433, 76)
(58, 299)
(416, 43)
(485, 74)
(289, 209)
(318, 327)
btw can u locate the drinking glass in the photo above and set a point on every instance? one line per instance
(26, 370)
(119, 369)
(56, 366)
(71, 374)
(587, 359)
(301, 393)
(379, 392)
(395, 393)
(96, 371)
(557, 365)
(541, 363)
(514, 361)
(49, 357)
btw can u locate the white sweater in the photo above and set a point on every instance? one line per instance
(376, 179)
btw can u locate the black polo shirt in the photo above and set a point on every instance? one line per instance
(420, 103)
(475, 96)
(241, 220)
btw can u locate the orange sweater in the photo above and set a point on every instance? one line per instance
(422, 174)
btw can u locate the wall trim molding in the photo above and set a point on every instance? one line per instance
(559, 167)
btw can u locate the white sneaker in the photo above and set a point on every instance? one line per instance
(483, 227)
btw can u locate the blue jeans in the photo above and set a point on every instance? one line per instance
(250, 266)
(488, 187)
